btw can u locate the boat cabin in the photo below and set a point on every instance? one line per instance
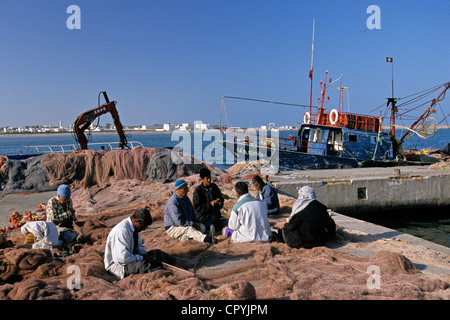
(339, 142)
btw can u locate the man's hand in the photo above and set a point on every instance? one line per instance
(215, 202)
(150, 257)
(196, 225)
(71, 213)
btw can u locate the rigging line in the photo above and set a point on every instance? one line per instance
(267, 101)
(432, 89)
(417, 98)
(412, 101)
(226, 115)
(415, 108)
(445, 119)
(427, 102)
(445, 116)
(437, 87)
(423, 95)
(381, 105)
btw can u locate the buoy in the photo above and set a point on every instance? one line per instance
(334, 116)
(307, 118)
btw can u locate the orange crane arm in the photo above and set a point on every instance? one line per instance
(85, 119)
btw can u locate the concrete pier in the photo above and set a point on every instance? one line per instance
(370, 189)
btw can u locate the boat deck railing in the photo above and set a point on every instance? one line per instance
(346, 120)
(290, 143)
(69, 148)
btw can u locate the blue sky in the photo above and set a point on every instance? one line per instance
(173, 60)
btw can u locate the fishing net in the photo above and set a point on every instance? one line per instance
(23, 176)
(226, 270)
(94, 168)
(100, 167)
(106, 194)
(261, 270)
(427, 128)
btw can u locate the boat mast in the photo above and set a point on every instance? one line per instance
(341, 97)
(322, 99)
(311, 71)
(394, 110)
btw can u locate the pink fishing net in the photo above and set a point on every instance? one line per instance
(112, 185)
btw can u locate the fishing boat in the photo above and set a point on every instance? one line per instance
(335, 138)
(332, 139)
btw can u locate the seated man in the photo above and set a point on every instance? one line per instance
(180, 221)
(208, 201)
(42, 231)
(124, 252)
(60, 211)
(309, 224)
(266, 194)
(248, 219)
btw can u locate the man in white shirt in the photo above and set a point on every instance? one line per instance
(248, 219)
(124, 251)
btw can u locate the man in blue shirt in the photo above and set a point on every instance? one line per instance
(180, 221)
(266, 194)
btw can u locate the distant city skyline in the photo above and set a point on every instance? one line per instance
(173, 61)
(196, 125)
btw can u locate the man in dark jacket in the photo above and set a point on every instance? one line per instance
(207, 201)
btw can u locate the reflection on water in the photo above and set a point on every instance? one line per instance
(429, 223)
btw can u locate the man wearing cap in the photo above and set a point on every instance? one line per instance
(180, 221)
(60, 211)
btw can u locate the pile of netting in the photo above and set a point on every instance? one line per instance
(225, 270)
(94, 168)
(108, 187)
(267, 271)
(27, 175)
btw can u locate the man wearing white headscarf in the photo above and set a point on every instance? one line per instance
(309, 224)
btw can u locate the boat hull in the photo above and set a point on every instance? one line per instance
(287, 159)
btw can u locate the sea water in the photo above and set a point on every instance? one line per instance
(26, 144)
(434, 226)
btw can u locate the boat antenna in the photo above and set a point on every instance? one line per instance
(312, 65)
